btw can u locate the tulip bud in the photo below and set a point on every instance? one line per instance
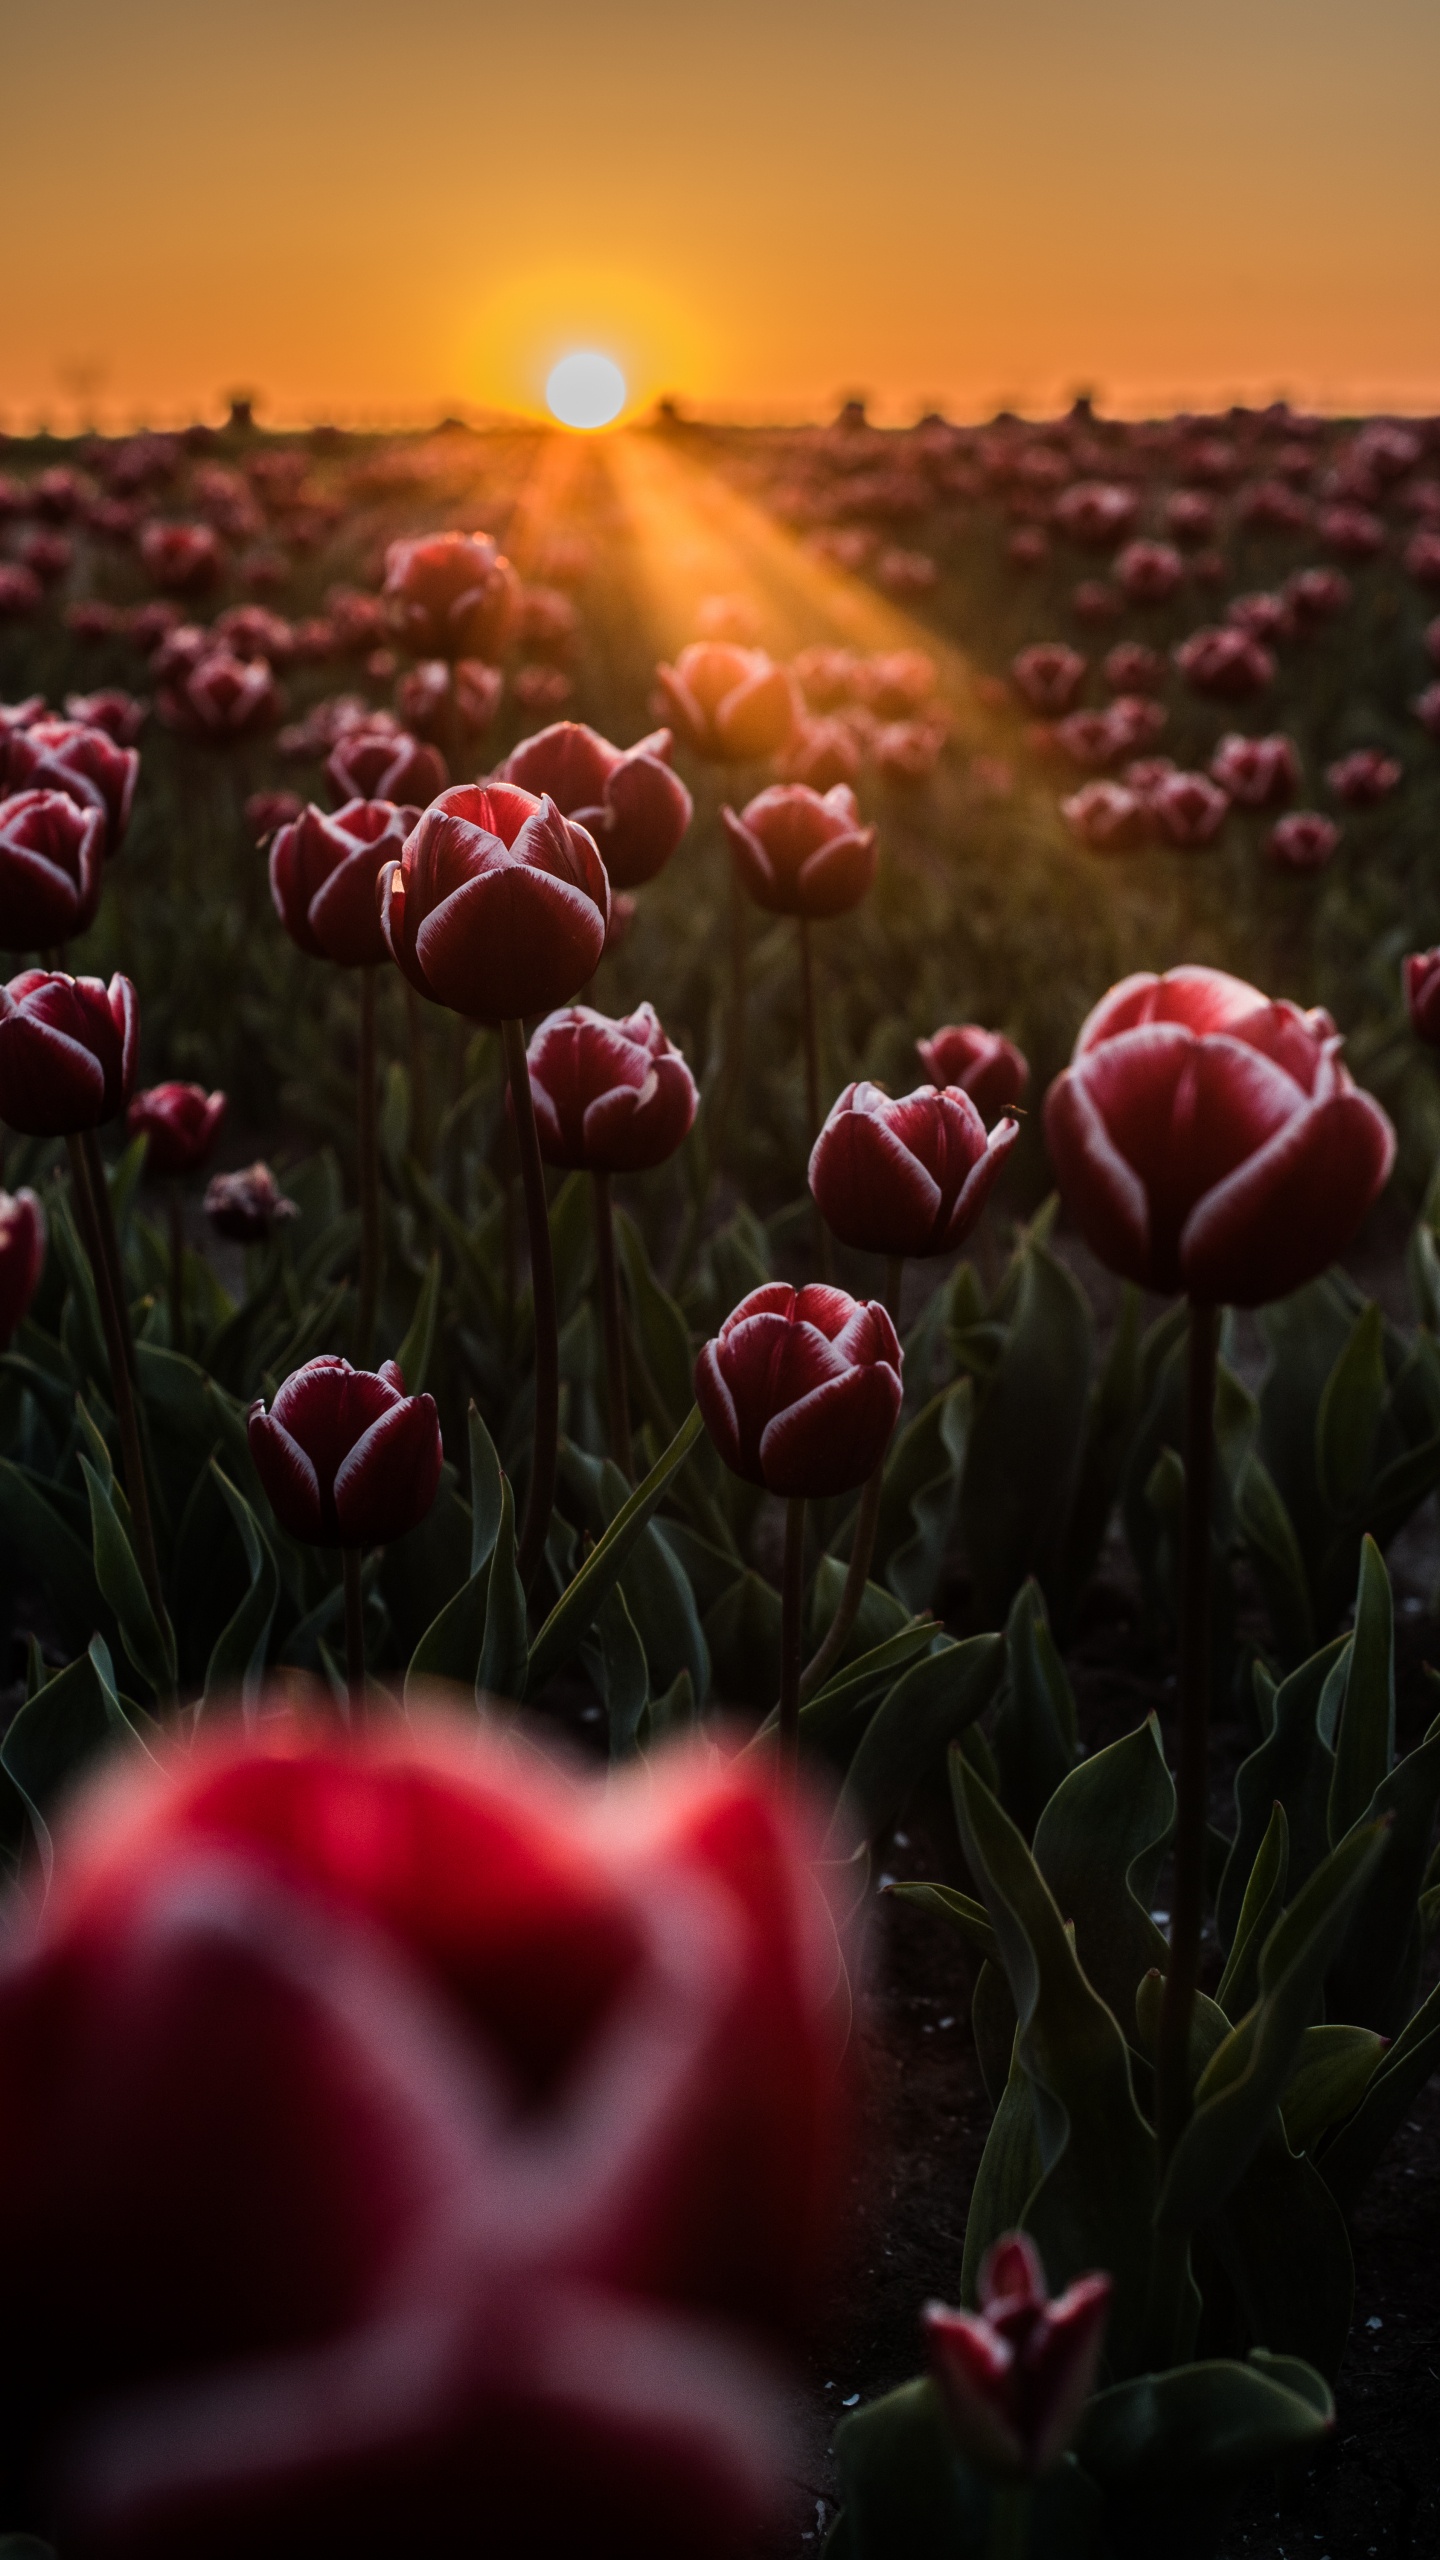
(387, 766)
(1048, 675)
(982, 1063)
(1016, 2374)
(51, 857)
(1302, 841)
(800, 1389)
(325, 878)
(1257, 773)
(67, 1052)
(907, 1177)
(729, 704)
(1364, 778)
(179, 1123)
(346, 1458)
(246, 1207)
(85, 763)
(451, 595)
(800, 854)
(499, 906)
(610, 1097)
(22, 1258)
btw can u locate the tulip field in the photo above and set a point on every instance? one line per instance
(719, 1430)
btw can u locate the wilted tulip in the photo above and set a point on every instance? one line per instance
(1149, 572)
(982, 1063)
(1106, 816)
(387, 766)
(22, 1259)
(1302, 841)
(121, 715)
(179, 1123)
(1016, 2374)
(246, 1207)
(51, 866)
(730, 705)
(222, 697)
(1049, 675)
(627, 798)
(84, 763)
(800, 1389)
(1422, 995)
(1209, 1140)
(184, 559)
(610, 1096)
(451, 595)
(326, 873)
(1189, 808)
(499, 906)
(346, 1458)
(1225, 663)
(67, 1052)
(1365, 777)
(1257, 773)
(800, 853)
(906, 1177)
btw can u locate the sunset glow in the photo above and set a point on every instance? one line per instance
(585, 390)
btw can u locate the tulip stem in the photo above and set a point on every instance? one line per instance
(792, 1605)
(92, 1193)
(540, 1494)
(368, 1148)
(419, 1098)
(862, 1545)
(617, 1396)
(1187, 1899)
(810, 1035)
(177, 1267)
(350, 1561)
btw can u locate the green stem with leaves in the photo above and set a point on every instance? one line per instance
(616, 1391)
(540, 1494)
(368, 1150)
(862, 1546)
(92, 1194)
(792, 1607)
(1187, 1900)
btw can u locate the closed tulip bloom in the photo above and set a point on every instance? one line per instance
(907, 1176)
(20, 592)
(1303, 840)
(1209, 1140)
(387, 766)
(266, 812)
(179, 1123)
(1316, 595)
(1096, 513)
(346, 1458)
(1365, 777)
(184, 559)
(1106, 816)
(1190, 517)
(610, 1096)
(1422, 556)
(22, 1259)
(1016, 2374)
(1131, 667)
(429, 697)
(800, 1389)
(452, 595)
(68, 1048)
(51, 866)
(1422, 995)
(85, 763)
(121, 715)
(982, 1063)
(1094, 600)
(223, 697)
(1049, 675)
(821, 753)
(326, 872)
(1268, 618)
(1225, 663)
(499, 906)
(627, 798)
(801, 853)
(1149, 572)
(731, 705)
(1190, 809)
(908, 751)
(246, 1207)
(1257, 773)
(1352, 532)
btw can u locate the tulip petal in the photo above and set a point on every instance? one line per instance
(1103, 1193)
(1284, 1214)
(385, 1484)
(288, 1474)
(830, 1440)
(510, 942)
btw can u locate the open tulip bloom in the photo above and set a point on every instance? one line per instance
(1015, 2374)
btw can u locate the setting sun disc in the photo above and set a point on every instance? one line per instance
(585, 390)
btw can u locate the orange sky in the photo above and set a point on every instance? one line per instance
(388, 210)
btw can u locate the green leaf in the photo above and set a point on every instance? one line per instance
(237, 1659)
(1099, 1845)
(742, 1630)
(970, 1918)
(661, 1332)
(1261, 1908)
(1349, 1416)
(57, 1558)
(626, 1675)
(929, 1707)
(414, 1352)
(1347, 2160)
(1281, 2243)
(1172, 2451)
(1023, 1457)
(908, 2495)
(1373, 1977)
(1109, 1425)
(577, 1607)
(1328, 2081)
(921, 1497)
(56, 1737)
(1291, 1767)
(487, 1489)
(150, 1644)
(1267, 1534)
(1365, 1735)
(504, 1652)
(1034, 1738)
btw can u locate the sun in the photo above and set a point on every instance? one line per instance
(585, 390)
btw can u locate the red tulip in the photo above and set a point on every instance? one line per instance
(246, 1207)
(1316, 595)
(1049, 675)
(1190, 517)
(1302, 841)
(1189, 807)
(179, 1123)
(85, 763)
(1149, 572)
(541, 688)
(1268, 618)
(1016, 2374)
(821, 753)
(909, 1176)
(471, 2125)
(1106, 816)
(67, 1052)
(20, 715)
(1364, 777)
(800, 1389)
(1226, 663)
(1131, 667)
(47, 555)
(498, 906)
(982, 1063)
(252, 631)
(433, 696)
(729, 704)
(20, 592)
(1257, 773)
(451, 595)
(1096, 513)
(22, 1259)
(908, 751)
(1353, 532)
(827, 676)
(610, 1097)
(801, 854)
(1270, 506)
(345, 1456)
(267, 811)
(121, 715)
(1209, 1140)
(1422, 995)
(386, 766)
(1093, 601)
(1028, 546)
(326, 873)
(222, 697)
(184, 559)
(51, 866)
(1426, 707)
(627, 798)
(897, 683)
